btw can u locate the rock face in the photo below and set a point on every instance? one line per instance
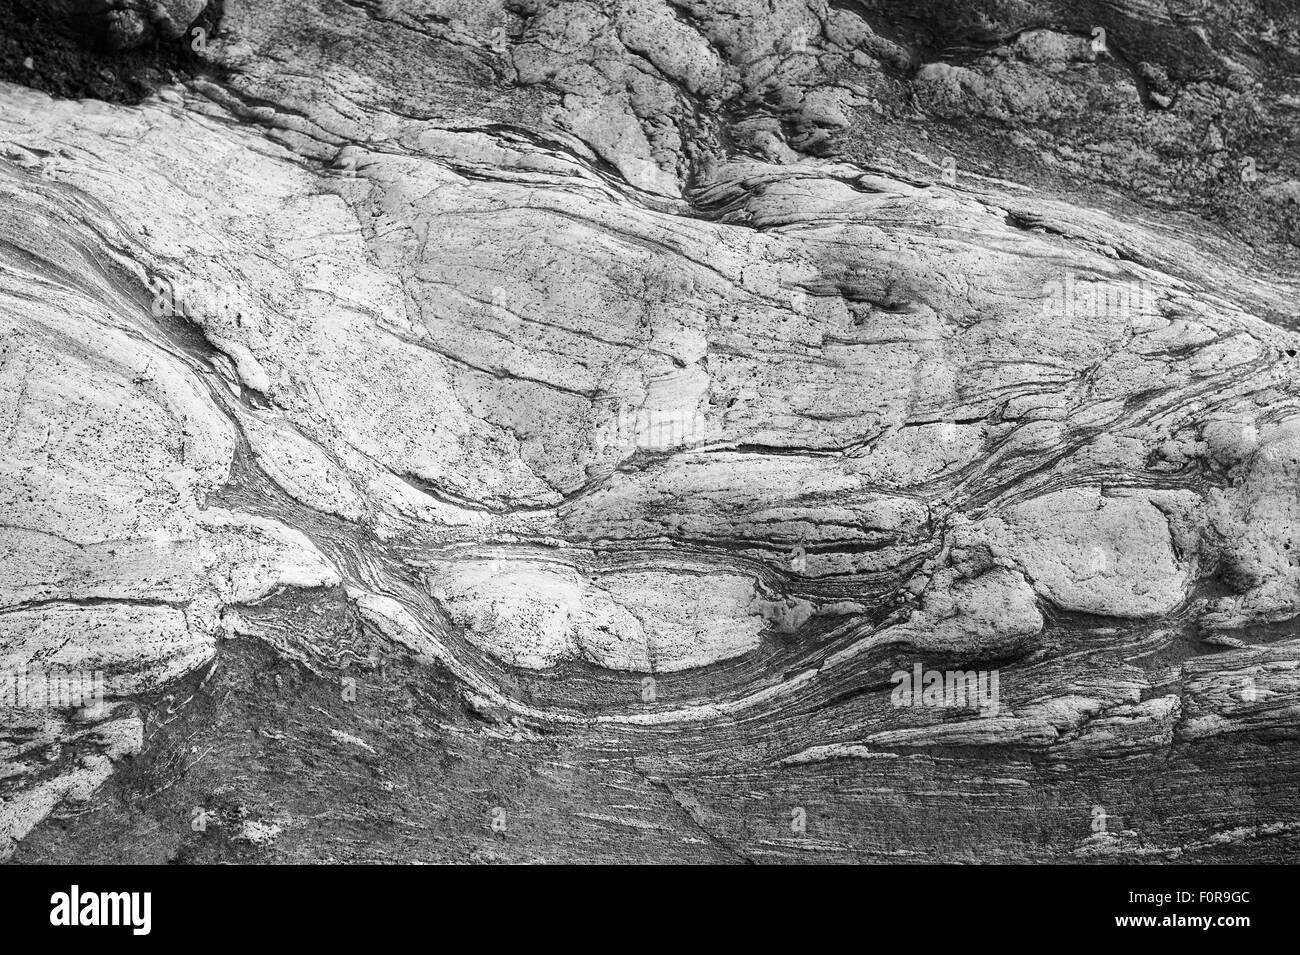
(662, 430)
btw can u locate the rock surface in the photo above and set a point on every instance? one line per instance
(550, 431)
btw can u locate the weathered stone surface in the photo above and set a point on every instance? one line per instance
(551, 431)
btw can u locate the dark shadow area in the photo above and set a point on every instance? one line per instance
(68, 51)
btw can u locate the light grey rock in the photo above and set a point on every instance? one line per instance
(604, 400)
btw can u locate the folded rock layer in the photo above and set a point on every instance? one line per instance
(543, 431)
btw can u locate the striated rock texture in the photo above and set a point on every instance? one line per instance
(650, 430)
